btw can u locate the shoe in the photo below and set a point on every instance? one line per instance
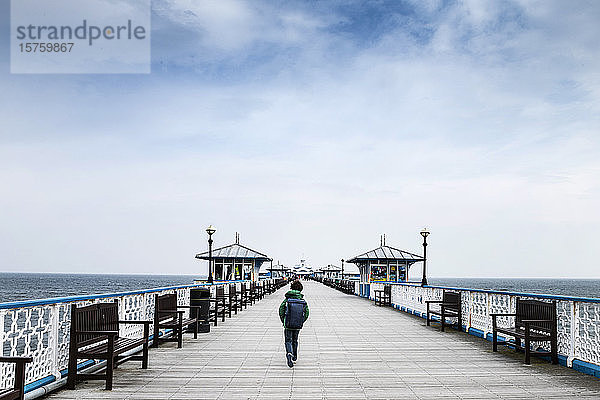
(289, 360)
(294, 358)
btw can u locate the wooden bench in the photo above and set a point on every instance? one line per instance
(168, 315)
(17, 392)
(235, 298)
(245, 295)
(95, 335)
(279, 283)
(261, 289)
(227, 306)
(217, 306)
(254, 292)
(349, 287)
(535, 321)
(449, 306)
(383, 297)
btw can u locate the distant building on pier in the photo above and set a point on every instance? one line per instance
(278, 271)
(302, 269)
(330, 272)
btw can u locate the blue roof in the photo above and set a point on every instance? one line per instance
(387, 253)
(235, 250)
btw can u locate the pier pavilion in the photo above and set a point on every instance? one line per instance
(279, 271)
(330, 271)
(385, 263)
(235, 262)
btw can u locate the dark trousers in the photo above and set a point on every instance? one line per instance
(291, 341)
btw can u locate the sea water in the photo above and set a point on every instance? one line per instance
(29, 286)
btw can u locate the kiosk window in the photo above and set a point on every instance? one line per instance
(393, 272)
(378, 273)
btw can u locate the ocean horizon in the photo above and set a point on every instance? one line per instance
(17, 286)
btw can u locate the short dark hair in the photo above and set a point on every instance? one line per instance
(296, 285)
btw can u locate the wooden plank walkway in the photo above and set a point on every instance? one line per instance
(349, 349)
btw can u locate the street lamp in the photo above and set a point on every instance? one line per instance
(342, 269)
(424, 233)
(210, 230)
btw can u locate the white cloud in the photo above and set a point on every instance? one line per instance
(497, 155)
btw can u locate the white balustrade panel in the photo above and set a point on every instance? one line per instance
(587, 332)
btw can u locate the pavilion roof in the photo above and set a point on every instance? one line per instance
(330, 268)
(233, 251)
(278, 268)
(387, 253)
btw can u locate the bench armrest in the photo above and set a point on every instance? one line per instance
(16, 359)
(528, 321)
(446, 304)
(105, 333)
(135, 322)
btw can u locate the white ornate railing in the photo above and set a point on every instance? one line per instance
(578, 317)
(40, 328)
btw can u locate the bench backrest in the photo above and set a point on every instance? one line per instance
(95, 317)
(452, 300)
(162, 303)
(536, 310)
(387, 290)
(232, 290)
(220, 291)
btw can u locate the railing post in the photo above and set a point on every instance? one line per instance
(469, 318)
(3, 376)
(2, 333)
(53, 340)
(574, 328)
(487, 314)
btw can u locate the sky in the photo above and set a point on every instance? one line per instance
(311, 128)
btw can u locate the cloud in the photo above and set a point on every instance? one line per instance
(284, 123)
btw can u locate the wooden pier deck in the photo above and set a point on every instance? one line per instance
(349, 349)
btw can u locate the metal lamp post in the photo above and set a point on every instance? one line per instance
(210, 230)
(424, 233)
(342, 269)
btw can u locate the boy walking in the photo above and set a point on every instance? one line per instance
(293, 311)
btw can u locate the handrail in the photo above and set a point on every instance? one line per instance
(492, 291)
(69, 299)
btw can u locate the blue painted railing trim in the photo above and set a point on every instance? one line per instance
(56, 300)
(538, 295)
(586, 367)
(51, 378)
(39, 383)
